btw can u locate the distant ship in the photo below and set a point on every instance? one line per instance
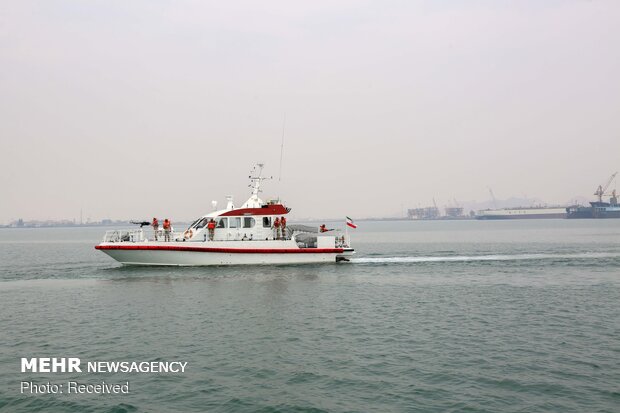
(523, 213)
(598, 209)
(595, 210)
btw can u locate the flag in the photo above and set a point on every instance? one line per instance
(350, 223)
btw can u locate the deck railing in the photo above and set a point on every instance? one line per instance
(343, 241)
(124, 235)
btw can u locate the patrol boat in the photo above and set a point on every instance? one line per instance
(244, 235)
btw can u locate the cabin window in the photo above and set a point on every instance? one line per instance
(202, 223)
(248, 222)
(221, 223)
(267, 222)
(234, 222)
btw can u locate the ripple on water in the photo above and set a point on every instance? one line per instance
(484, 324)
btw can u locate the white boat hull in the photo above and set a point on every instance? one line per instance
(220, 253)
(257, 233)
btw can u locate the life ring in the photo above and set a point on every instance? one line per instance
(188, 234)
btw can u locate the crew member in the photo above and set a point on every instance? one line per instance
(323, 228)
(276, 228)
(211, 228)
(283, 226)
(167, 229)
(155, 225)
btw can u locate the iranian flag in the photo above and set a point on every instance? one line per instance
(350, 223)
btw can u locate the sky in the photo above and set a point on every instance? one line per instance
(134, 109)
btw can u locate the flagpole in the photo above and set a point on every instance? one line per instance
(346, 232)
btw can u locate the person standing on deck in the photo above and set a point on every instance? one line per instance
(211, 228)
(283, 226)
(276, 228)
(155, 225)
(167, 228)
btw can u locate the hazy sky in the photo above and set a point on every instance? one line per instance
(134, 109)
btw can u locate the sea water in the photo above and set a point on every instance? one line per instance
(435, 316)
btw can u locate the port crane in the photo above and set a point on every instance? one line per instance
(493, 198)
(600, 191)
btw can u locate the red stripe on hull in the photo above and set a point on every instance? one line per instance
(223, 250)
(276, 209)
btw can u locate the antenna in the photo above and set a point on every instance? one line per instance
(282, 147)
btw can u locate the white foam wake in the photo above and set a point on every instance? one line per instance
(464, 258)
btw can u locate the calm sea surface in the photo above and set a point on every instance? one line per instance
(468, 316)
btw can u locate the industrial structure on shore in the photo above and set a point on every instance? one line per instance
(597, 209)
(433, 212)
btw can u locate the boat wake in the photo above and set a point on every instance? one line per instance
(475, 258)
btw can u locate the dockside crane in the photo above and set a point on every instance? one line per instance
(493, 198)
(600, 191)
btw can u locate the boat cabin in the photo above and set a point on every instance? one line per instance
(243, 224)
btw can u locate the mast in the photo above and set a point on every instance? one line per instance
(256, 177)
(282, 148)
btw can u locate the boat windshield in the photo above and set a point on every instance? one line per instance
(201, 223)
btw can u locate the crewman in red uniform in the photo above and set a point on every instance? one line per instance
(211, 228)
(276, 228)
(155, 225)
(283, 226)
(167, 229)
